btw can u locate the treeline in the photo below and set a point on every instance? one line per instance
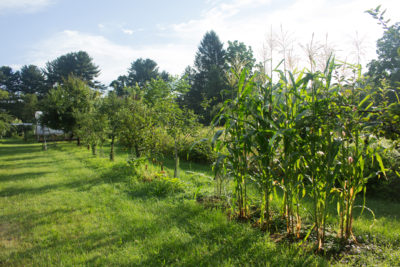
(208, 79)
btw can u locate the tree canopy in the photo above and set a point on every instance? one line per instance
(78, 64)
(60, 104)
(208, 78)
(33, 81)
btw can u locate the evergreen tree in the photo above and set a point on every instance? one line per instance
(142, 71)
(120, 84)
(79, 64)
(209, 80)
(33, 81)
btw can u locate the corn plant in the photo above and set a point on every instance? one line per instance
(290, 107)
(264, 137)
(237, 141)
(306, 134)
(356, 110)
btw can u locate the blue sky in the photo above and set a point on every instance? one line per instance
(116, 32)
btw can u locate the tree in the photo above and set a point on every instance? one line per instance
(111, 107)
(9, 80)
(155, 90)
(209, 80)
(60, 104)
(385, 76)
(78, 64)
(388, 50)
(5, 119)
(179, 123)
(33, 81)
(142, 71)
(92, 125)
(238, 57)
(135, 130)
(387, 66)
(120, 84)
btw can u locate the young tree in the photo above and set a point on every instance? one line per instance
(136, 122)
(60, 104)
(179, 124)
(92, 125)
(111, 106)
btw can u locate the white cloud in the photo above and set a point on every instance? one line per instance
(113, 59)
(23, 6)
(130, 31)
(127, 31)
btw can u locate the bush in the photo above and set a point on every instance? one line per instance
(386, 187)
(163, 186)
(199, 152)
(192, 150)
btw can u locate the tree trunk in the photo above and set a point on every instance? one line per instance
(137, 151)
(176, 171)
(112, 148)
(94, 150)
(44, 143)
(78, 141)
(25, 134)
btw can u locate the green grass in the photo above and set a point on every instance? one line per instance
(64, 207)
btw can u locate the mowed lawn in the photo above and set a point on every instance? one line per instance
(64, 207)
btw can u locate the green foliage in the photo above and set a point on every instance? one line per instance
(119, 84)
(5, 119)
(136, 124)
(9, 80)
(178, 123)
(77, 64)
(239, 56)
(388, 48)
(33, 81)
(110, 107)
(60, 104)
(92, 125)
(209, 77)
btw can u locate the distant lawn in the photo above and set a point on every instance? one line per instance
(64, 207)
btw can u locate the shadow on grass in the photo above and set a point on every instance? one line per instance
(22, 176)
(27, 158)
(116, 174)
(178, 234)
(15, 151)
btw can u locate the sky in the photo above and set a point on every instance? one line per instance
(117, 32)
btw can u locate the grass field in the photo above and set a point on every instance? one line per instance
(65, 207)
